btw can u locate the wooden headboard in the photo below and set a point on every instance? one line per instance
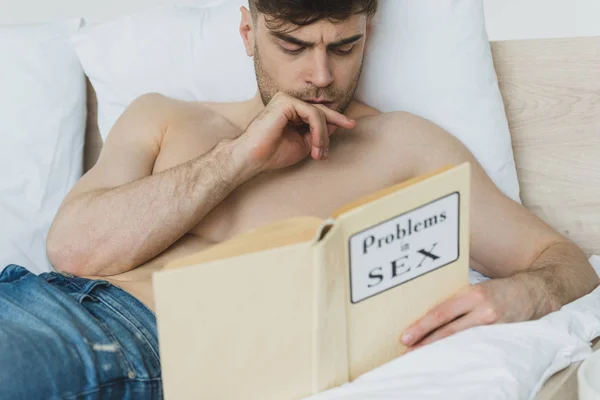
(551, 90)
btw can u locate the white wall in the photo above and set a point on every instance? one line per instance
(533, 19)
(506, 19)
(24, 11)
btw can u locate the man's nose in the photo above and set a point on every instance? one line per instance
(321, 75)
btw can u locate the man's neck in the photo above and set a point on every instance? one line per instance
(253, 107)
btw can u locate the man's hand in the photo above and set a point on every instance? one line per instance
(491, 302)
(275, 138)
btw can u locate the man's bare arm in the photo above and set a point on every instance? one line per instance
(560, 275)
(120, 215)
(538, 269)
(508, 240)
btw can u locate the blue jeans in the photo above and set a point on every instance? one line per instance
(64, 337)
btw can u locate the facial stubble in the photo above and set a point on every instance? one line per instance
(267, 87)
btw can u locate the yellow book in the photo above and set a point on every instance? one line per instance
(303, 305)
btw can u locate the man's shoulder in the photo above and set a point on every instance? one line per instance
(402, 129)
(391, 121)
(170, 112)
(165, 109)
(359, 111)
(233, 112)
(368, 115)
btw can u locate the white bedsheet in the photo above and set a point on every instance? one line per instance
(507, 361)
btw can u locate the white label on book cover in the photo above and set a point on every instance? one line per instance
(404, 248)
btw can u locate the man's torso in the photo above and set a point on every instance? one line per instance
(361, 161)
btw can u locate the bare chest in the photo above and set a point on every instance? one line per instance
(359, 163)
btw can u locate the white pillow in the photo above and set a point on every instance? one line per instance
(433, 59)
(429, 57)
(42, 130)
(184, 52)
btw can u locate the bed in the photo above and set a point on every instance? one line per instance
(551, 92)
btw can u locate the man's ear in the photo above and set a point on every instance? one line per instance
(247, 31)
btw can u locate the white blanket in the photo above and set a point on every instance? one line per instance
(506, 361)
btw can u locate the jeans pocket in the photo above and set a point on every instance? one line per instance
(115, 338)
(113, 361)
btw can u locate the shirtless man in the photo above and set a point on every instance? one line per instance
(174, 178)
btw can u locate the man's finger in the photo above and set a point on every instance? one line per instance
(336, 118)
(320, 147)
(319, 133)
(319, 129)
(438, 317)
(463, 323)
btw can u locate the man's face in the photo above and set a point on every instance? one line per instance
(318, 63)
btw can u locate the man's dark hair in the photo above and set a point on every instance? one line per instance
(305, 12)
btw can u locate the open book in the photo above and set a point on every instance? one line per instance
(304, 305)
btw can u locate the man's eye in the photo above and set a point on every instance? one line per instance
(293, 52)
(344, 50)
